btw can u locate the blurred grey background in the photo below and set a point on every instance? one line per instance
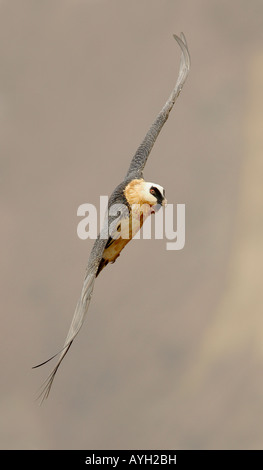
(171, 355)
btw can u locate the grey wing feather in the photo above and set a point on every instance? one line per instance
(85, 298)
(140, 158)
(77, 322)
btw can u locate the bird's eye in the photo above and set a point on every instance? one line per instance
(152, 191)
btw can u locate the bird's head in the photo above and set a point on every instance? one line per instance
(154, 195)
(143, 192)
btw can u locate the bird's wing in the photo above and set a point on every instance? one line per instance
(110, 224)
(140, 158)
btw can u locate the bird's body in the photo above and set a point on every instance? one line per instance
(140, 203)
(132, 201)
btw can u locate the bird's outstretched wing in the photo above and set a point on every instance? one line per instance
(96, 254)
(140, 158)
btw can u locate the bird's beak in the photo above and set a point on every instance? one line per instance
(158, 206)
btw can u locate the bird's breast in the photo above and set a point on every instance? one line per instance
(125, 231)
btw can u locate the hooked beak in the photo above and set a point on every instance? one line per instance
(158, 206)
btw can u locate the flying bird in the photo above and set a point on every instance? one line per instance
(132, 192)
